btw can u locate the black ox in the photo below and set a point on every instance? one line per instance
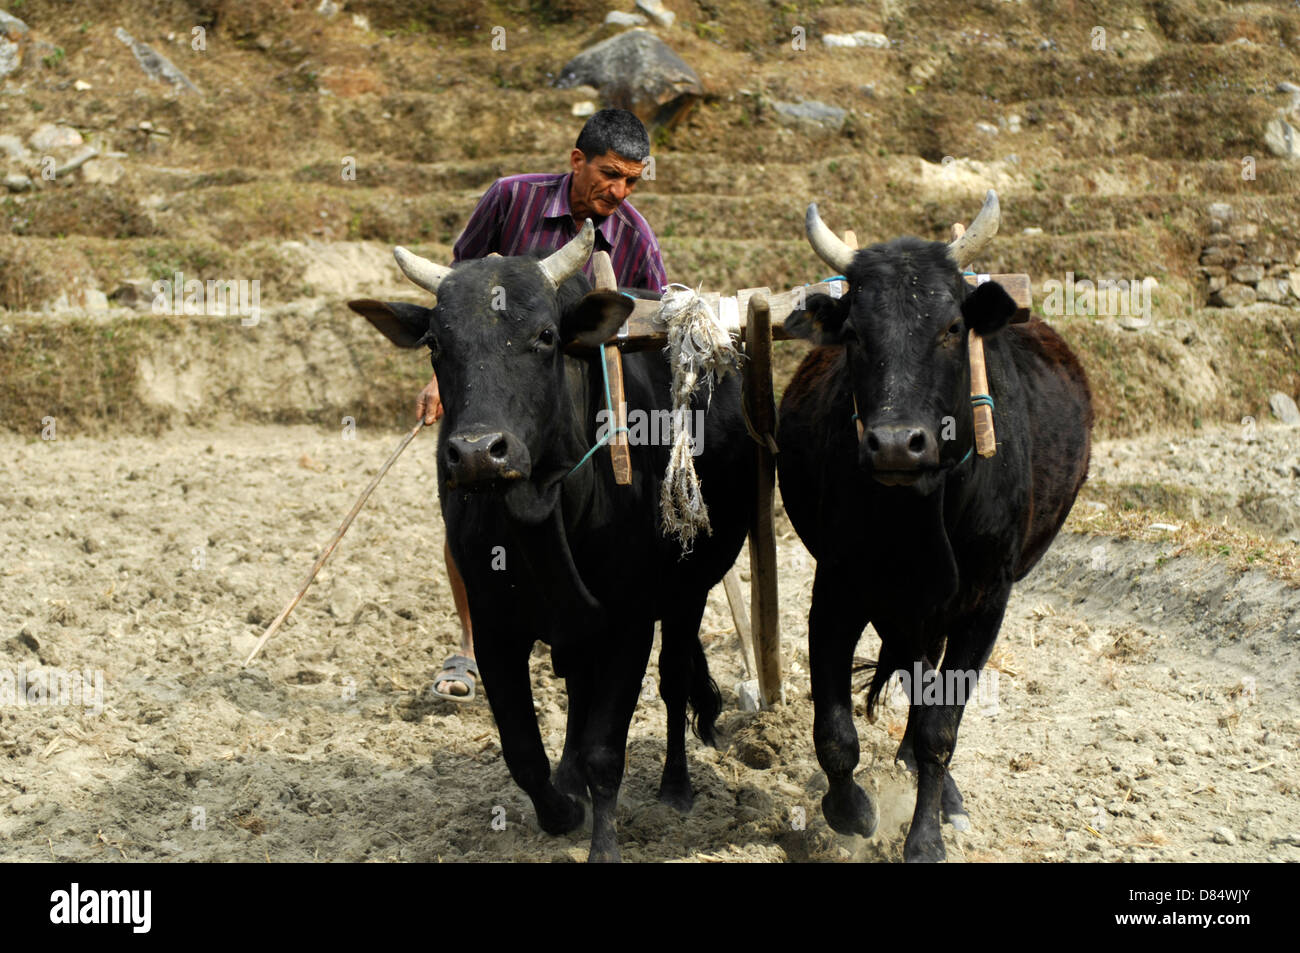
(911, 530)
(555, 551)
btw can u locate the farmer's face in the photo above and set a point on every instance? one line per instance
(600, 184)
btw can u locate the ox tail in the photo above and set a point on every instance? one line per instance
(705, 699)
(879, 672)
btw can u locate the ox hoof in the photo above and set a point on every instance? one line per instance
(680, 797)
(924, 850)
(849, 811)
(959, 821)
(604, 854)
(567, 815)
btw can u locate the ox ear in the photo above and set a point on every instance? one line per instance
(406, 325)
(595, 318)
(821, 319)
(988, 308)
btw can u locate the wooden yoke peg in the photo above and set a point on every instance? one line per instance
(619, 455)
(851, 239)
(986, 441)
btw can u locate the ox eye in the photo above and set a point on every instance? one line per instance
(954, 328)
(546, 338)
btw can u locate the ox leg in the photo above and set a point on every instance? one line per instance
(570, 777)
(682, 667)
(835, 624)
(952, 806)
(510, 695)
(618, 672)
(935, 737)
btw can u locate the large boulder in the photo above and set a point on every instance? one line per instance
(637, 71)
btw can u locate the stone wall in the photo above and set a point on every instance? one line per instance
(1241, 266)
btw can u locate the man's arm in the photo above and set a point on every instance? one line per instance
(482, 234)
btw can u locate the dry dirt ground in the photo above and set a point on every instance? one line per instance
(1144, 707)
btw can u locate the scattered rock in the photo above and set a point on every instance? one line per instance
(584, 108)
(1281, 139)
(619, 18)
(987, 128)
(637, 71)
(810, 114)
(103, 171)
(155, 64)
(328, 9)
(1284, 409)
(13, 37)
(82, 86)
(12, 147)
(656, 11)
(17, 182)
(1223, 835)
(50, 137)
(135, 293)
(862, 38)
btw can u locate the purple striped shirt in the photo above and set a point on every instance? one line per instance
(521, 213)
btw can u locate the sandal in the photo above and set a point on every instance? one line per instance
(458, 668)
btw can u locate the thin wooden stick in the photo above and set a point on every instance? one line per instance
(986, 441)
(347, 521)
(740, 616)
(619, 455)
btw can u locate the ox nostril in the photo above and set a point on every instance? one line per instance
(453, 455)
(916, 442)
(499, 449)
(873, 443)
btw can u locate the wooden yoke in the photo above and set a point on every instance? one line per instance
(986, 441)
(619, 455)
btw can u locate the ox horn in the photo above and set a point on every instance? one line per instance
(829, 248)
(427, 274)
(562, 265)
(966, 249)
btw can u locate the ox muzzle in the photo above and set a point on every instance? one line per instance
(483, 458)
(898, 455)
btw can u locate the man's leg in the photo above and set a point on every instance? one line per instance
(466, 626)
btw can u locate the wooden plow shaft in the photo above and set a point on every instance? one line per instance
(760, 405)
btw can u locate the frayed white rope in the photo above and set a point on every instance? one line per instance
(698, 347)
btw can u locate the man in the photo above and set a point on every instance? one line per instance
(522, 213)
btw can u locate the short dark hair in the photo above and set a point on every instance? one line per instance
(614, 130)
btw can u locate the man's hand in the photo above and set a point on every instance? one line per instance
(429, 404)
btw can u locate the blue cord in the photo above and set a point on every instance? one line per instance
(609, 435)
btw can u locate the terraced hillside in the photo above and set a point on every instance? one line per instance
(384, 123)
(173, 474)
